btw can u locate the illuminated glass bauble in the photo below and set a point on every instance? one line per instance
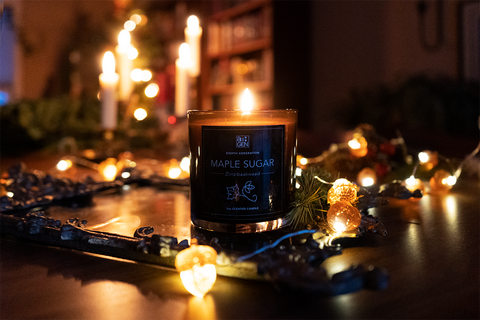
(343, 217)
(197, 268)
(342, 190)
(367, 177)
(428, 159)
(358, 146)
(442, 181)
(413, 184)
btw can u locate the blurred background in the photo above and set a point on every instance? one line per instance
(404, 67)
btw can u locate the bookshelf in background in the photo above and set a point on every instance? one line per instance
(238, 53)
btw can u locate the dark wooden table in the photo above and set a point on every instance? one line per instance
(431, 253)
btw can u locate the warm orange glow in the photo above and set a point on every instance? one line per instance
(342, 190)
(367, 177)
(140, 114)
(124, 39)
(108, 169)
(64, 164)
(358, 146)
(342, 216)
(184, 53)
(197, 268)
(428, 159)
(442, 181)
(152, 90)
(413, 184)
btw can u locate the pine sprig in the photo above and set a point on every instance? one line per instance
(310, 200)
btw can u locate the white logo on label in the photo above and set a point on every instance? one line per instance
(243, 141)
(233, 193)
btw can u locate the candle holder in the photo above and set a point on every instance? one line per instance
(242, 169)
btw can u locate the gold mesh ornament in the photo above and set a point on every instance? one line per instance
(342, 190)
(342, 216)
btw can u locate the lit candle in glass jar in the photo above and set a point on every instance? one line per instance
(242, 169)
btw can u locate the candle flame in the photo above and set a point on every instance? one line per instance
(124, 38)
(108, 64)
(246, 102)
(184, 52)
(192, 22)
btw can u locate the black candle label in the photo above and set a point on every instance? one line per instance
(243, 178)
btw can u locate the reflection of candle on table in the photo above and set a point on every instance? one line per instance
(183, 64)
(242, 168)
(108, 84)
(125, 65)
(193, 33)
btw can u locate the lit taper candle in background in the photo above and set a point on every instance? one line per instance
(193, 34)
(108, 85)
(125, 65)
(182, 83)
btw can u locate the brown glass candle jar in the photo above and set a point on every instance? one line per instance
(242, 169)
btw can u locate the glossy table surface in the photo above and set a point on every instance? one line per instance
(431, 253)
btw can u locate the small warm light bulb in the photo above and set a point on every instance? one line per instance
(303, 161)
(152, 90)
(358, 146)
(108, 169)
(193, 23)
(110, 172)
(246, 102)
(354, 144)
(125, 174)
(367, 177)
(129, 25)
(136, 75)
(342, 216)
(136, 18)
(442, 181)
(196, 265)
(132, 53)
(140, 114)
(63, 165)
(185, 164)
(146, 75)
(423, 157)
(108, 64)
(174, 173)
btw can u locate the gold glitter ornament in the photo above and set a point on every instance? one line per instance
(342, 216)
(342, 190)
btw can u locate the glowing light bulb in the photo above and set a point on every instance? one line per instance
(442, 181)
(423, 157)
(129, 25)
(140, 114)
(132, 53)
(197, 268)
(108, 169)
(428, 159)
(136, 75)
(174, 173)
(367, 177)
(342, 217)
(413, 184)
(146, 75)
(246, 102)
(152, 90)
(342, 190)
(358, 146)
(65, 164)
